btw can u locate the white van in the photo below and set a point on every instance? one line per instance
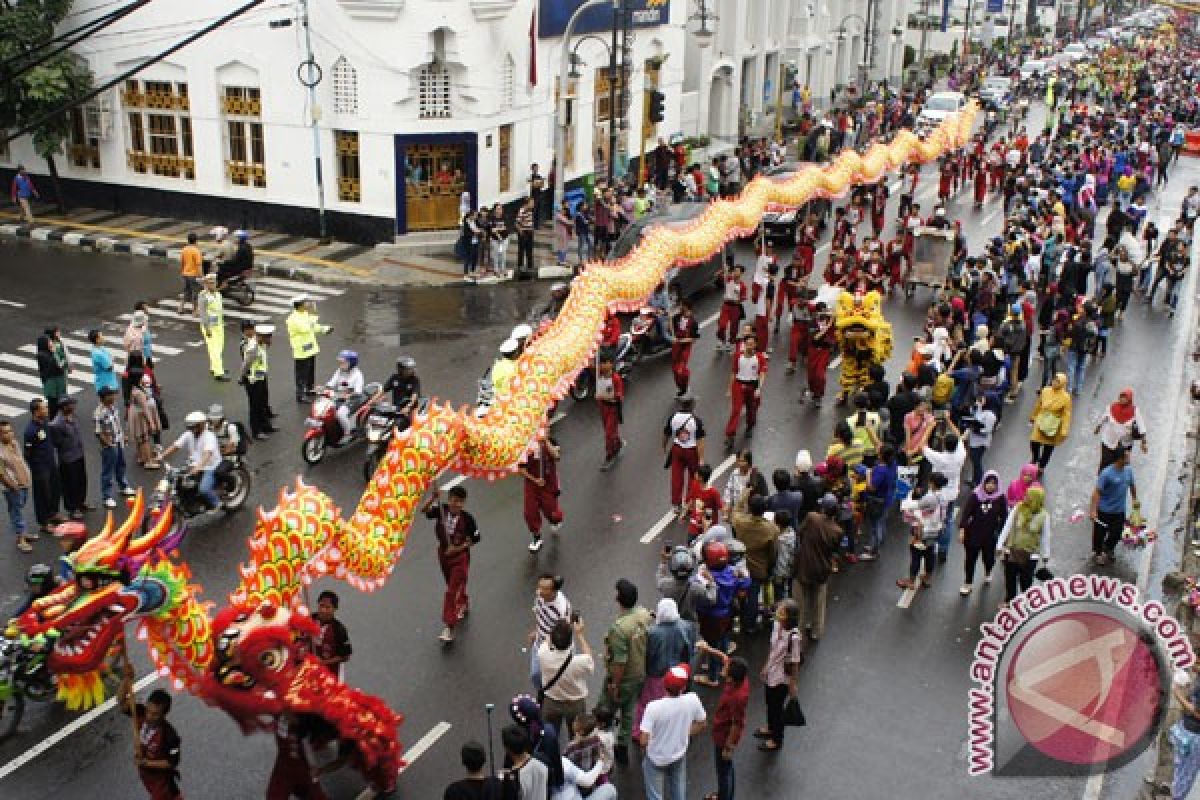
(939, 106)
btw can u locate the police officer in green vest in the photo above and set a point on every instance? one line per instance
(254, 378)
(303, 328)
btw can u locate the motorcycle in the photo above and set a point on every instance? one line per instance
(239, 288)
(182, 488)
(383, 423)
(23, 674)
(322, 429)
(584, 387)
(646, 342)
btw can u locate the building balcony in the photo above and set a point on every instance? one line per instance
(162, 164)
(242, 106)
(244, 173)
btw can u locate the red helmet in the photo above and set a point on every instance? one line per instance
(716, 554)
(71, 530)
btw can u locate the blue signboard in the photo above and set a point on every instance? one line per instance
(553, 16)
(945, 16)
(995, 6)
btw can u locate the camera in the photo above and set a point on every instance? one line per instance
(575, 618)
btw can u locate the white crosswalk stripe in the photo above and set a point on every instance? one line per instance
(276, 294)
(18, 394)
(83, 376)
(75, 346)
(161, 349)
(28, 380)
(300, 286)
(259, 305)
(83, 361)
(10, 412)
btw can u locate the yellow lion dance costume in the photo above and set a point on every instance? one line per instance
(864, 336)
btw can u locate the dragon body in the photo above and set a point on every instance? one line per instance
(246, 659)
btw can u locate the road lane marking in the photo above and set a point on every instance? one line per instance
(28, 380)
(709, 320)
(11, 412)
(18, 394)
(75, 358)
(652, 534)
(424, 743)
(163, 349)
(453, 482)
(11, 303)
(906, 597)
(302, 286)
(78, 724)
(29, 363)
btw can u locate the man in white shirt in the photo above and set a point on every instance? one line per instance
(667, 727)
(565, 673)
(204, 454)
(948, 461)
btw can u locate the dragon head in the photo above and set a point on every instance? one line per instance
(258, 654)
(86, 616)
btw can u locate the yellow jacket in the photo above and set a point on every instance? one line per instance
(303, 328)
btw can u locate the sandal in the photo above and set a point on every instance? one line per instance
(762, 733)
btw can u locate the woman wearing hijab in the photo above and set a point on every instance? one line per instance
(143, 422)
(1120, 427)
(137, 338)
(1026, 479)
(52, 369)
(980, 523)
(526, 713)
(1024, 543)
(1051, 420)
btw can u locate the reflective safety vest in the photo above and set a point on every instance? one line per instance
(258, 364)
(303, 328)
(212, 310)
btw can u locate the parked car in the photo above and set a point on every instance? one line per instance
(684, 282)
(781, 226)
(938, 107)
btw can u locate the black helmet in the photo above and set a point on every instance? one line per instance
(406, 362)
(38, 576)
(681, 564)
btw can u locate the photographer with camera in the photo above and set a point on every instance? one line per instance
(980, 424)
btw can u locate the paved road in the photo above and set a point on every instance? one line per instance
(885, 691)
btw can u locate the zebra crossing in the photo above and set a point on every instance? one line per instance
(19, 380)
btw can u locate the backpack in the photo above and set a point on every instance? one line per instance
(943, 388)
(1012, 336)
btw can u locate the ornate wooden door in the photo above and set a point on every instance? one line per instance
(435, 178)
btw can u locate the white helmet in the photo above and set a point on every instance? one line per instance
(522, 331)
(195, 418)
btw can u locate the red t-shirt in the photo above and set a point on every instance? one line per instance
(731, 710)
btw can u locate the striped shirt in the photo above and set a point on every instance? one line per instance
(108, 423)
(525, 219)
(547, 614)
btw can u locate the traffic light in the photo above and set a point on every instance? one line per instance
(658, 102)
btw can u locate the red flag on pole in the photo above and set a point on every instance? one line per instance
(533, 48)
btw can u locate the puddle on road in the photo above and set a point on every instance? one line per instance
(406, 316)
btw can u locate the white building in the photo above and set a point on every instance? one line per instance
(420, 100)
(732, 78)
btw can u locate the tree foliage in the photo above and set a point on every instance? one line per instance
(28, 93)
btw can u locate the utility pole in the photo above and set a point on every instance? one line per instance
(966, 45)
(924, 35)
(309, 73)
(612, 93)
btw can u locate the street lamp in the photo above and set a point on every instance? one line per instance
(704, 34)
(560, 113)
(864, 65)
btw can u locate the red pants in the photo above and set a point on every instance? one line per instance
(785, 299)
(684, 460)
(877, 222)
(541, 501)
(731, 315)
(742, 394)
(289, 780)
(762, 330)
(798, 343)
(160, 784)
(817, 363)
(680, 353)
(804, 260)
(980, 191)
(455, 601)
(612, 429)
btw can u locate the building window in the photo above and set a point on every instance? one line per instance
(160, 128)
(349, 177)
(345, 87)
(82, 150)
(433, 92)
(508, 83)
(506, 132)
(245, 159)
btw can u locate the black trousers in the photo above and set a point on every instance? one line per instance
(525, 252)
(47, 494)
(974, 552)
(73, 475)
(306, 375)
(1106, 532)
(256, 395)
(1017, 578)
(776, 696)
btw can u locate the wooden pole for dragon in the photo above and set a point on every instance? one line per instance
(132, 701)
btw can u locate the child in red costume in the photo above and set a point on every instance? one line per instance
(540, 470)
(610, 395)
(745, 391)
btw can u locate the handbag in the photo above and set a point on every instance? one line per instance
(1048, 424)
(545, 687)
(793, 715)
(1018, 557)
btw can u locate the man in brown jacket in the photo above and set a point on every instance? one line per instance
(761, 537)
(15, 481)
(816, 543)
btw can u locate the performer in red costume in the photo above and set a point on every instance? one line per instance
(745, 391)
(540, 470)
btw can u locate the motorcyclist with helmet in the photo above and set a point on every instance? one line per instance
(229, 438)
(204, 455)
(39, 582)
(347, 383)
(558, 298)
(242, 261)
(677, 579)
(716, 617)
(405, 387)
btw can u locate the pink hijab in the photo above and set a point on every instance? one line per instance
(1022, 484)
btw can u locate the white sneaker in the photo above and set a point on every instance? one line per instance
(987, 579)
(446, 636)
(110, 503)
(555, 527)
(535, 544)
(965, 590)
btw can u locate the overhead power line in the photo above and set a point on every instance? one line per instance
(129, 73)
(65, 40)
